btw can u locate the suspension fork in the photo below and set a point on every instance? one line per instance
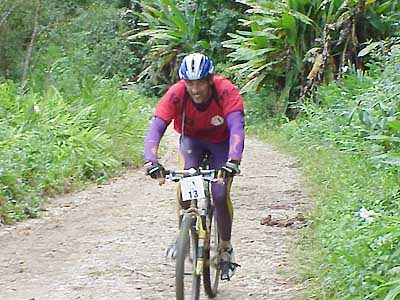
(202, 235)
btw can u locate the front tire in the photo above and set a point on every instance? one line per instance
(186, 281)
(211, 269)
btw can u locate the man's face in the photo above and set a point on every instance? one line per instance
(199, 90)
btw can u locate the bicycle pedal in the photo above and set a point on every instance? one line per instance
(228, 270)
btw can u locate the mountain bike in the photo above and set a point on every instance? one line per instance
(198, 239)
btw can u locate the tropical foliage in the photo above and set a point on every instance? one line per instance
(298, 43)
(349, 147)
(170, 29)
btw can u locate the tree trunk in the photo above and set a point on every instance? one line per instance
(29, 50)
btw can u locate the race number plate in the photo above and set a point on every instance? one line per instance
(192, 188)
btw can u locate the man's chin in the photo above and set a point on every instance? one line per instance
(198, 100)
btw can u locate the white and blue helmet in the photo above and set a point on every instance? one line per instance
(195, 66)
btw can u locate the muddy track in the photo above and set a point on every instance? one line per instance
(108, 242)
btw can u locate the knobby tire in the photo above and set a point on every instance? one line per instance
(211, 272)
(186, 280)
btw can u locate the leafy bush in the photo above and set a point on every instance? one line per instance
(86, 45)
(356, 185)
(51, 143)
(72, 24)
(261, 110)
(295, 44)
(366, 110)
(171, 29)
(223, 21)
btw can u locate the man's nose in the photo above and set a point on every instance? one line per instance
(195, 87)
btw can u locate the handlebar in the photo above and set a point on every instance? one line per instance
(176, 175)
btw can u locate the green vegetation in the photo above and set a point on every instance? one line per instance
(296, 44)
(349, 146)
(65, 120)
(74, 124)
(169, 30)
(51, 143)
(63, 27)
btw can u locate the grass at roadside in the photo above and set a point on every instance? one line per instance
(347, 255)
(349, 146)
(74, 126)
(53, 142)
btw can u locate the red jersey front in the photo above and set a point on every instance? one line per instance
(209, 124)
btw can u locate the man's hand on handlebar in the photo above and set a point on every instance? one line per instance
(230, 169)
(155, 170)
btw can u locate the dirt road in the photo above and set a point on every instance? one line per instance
(108, 242)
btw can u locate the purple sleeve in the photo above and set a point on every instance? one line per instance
(152, 141)
(235, 123)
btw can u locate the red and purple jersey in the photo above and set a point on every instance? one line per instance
(208, 124)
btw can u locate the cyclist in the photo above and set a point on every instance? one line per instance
(208, 112)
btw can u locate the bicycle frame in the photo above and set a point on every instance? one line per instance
(198, 209)
(198, 218)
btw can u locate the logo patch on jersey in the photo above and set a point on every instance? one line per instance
(217, 120)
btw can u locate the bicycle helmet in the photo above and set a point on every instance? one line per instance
(195, 66)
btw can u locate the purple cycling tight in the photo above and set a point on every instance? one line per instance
(192, 151)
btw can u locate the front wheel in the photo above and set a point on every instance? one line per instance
(211, 269)
(186, 281)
